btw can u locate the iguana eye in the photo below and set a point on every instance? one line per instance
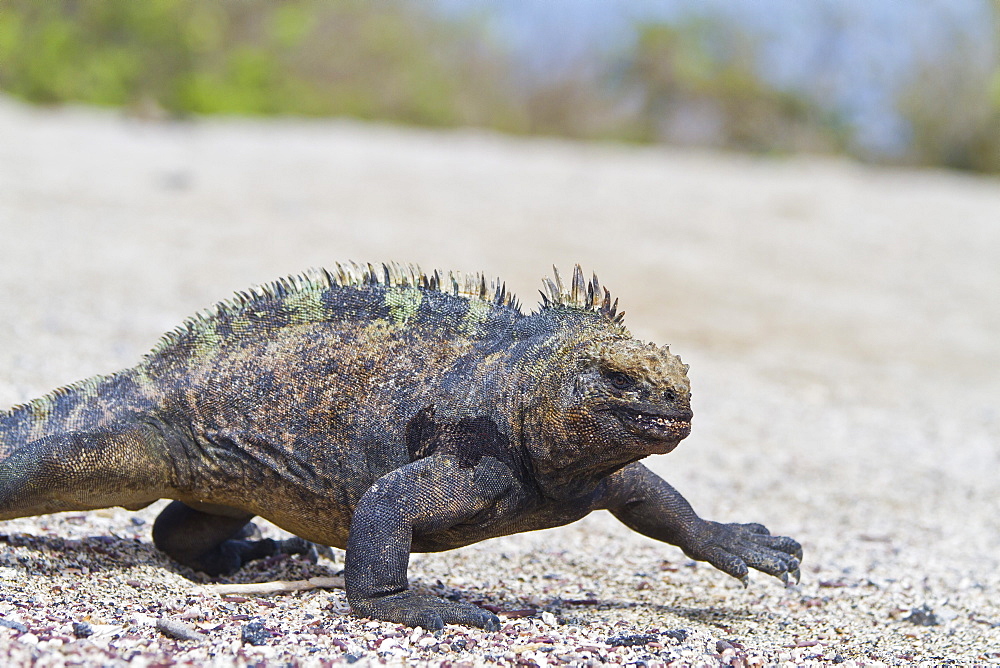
(619, 380)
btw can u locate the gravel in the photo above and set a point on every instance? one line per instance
(840, 322)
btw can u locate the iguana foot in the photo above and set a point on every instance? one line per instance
(310, 551)
(250, 531)
(294, 545)
(732, 548)
(219, 542)
(428, 612)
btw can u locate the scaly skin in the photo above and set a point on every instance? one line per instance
(382, 412)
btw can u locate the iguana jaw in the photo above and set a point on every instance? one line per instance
(663, 430)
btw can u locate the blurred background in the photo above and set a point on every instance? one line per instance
(911, 83)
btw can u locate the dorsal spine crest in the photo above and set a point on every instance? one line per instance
(580, 295)
(347, 275)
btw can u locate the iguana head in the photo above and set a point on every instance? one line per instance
(630, 395)
(607, 401)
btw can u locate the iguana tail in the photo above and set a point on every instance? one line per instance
(90, 445)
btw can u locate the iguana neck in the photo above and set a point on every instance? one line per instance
(563, 465)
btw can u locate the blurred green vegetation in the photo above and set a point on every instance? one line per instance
(696, 81)
(385, 60)
(952, 104)
(693, 81)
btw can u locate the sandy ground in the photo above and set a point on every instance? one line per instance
(840, 321)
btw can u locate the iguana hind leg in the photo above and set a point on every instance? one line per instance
(216, 539)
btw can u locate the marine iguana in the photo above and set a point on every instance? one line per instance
(383, 411)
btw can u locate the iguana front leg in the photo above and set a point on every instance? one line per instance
(648, 504)
(425, 497)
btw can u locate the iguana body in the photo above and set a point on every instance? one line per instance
(381, 411)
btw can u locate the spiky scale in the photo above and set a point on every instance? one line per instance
(579, 290)
(551, 293)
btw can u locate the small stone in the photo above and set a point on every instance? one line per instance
(82, 630)
(631, 640)
(254, 633)
(178, 630)
(17, 626)
(922, 616)
(680, 635)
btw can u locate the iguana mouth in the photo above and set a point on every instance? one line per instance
(655, 426)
